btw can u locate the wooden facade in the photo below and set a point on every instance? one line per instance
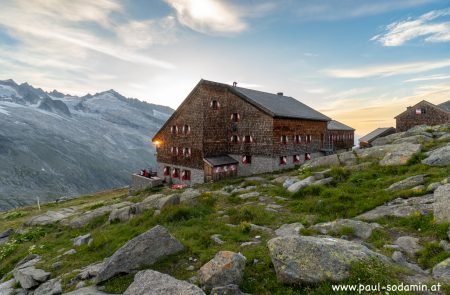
(423, 113)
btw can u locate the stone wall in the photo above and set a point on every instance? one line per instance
(197, 175)
(432, 116)
(140, 182)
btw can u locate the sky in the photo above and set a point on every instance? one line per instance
(358, 61)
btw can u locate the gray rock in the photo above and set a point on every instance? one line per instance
(169, 200)
(445, 245)
(30, 277)
(326, 161)
(150, 282)
(387, 139)
(225, 268)
(255, 178)
(401, 155)
(448, 233)
(420, 138)
(85, 218)
(409, 245)
(304, 259)
(250, 243)
(7, 288)
(438, 157)
(289, 229)
(321, 174)
(301, 184)
(28, 261)
(289, 181)
(82, 240)
(57, 265)
(347, 158)
(441, 271)
(280, 179)
(89, 272)
(398, 257)
(141, 251)
(441, 207)
(433, 186)
(361, 229)
(401, 208)
(70, 252)
(216, 238)
(91, 290)
(52, 287)
(261, 228)
(359, 167)
(227, 290)
(189, 195)
(6, 233)
(51, 217)
(407, 183)
(324, 181)
(124, 214)
(249, 195)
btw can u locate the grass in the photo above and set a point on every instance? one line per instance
(431, 254)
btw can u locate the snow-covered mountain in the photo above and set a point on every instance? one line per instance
(54, 145)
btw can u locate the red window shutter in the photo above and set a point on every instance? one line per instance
(251, 139)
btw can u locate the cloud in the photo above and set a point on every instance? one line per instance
(398, 33)
(350, 93)
(387, 69)
(429, 78)
(208, 16)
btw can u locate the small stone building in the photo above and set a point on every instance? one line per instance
(423, 113)
(366, 140)
(341, 136)
(220, 131)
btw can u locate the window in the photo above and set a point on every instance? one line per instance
(174, 129)
(235, 117)
(215, 105)
(246, 159)
(186, 129)
(307, 156)
(296, 159)
(247, 139)
(175, 173)
(421, 111)
(187, 152)
(234, 139)
(174, 151)
(283, 160)
(308, 138)
(284, 139)
(297, 139)
(218, 170)
(166, 171)
(186, 175)
(232, 167)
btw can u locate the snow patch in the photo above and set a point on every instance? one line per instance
(161, 115)
(7, 91)
(3, 111)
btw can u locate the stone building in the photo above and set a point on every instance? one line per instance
(221, 130)
(423, 113)
(341, 136)
(366, 140)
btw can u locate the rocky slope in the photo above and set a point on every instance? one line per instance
(54, 145)
(373, 216)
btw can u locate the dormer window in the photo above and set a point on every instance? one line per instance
(247, 139)
(421, 111)
(215, 105)
(186, 129)
(284, 139)
(297, 139)
(235, 117)
(234, 139)
(174, 129)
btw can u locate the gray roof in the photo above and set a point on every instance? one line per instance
(379, 132)
(445, 105)
(279, 105)
(336, 125)
(220, 160)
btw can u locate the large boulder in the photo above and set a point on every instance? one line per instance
(51, 217)
(52, 287)
(189, 196)
(360, 229)
(409, 245)
(331, 160)
(141, 251)
(347, 158)
(301, 184)
(289, 229)
(438, 157)
(150, 282)
(7, 288)
(407, 183)
(82, 240)
(441, 271)
(305, 259)
(401, 155)
(387, 139)
(85, 218)
(420, 138)
(225, 268)
(167, 201)
(441, 206)
(91, 290)
(30, 277)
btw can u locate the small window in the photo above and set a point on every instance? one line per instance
(296, 159)
(233, 167)
(421, 111)
(284, 139)
(174, 129)
(247, 139)
(308, 138)
(234, 139)
(218, 170)
(235, 117)
(307, 156)
(283, 160)
(187, 152)
(166, 171)
(186, 129)
(297, 139)
(174, 151)
(246, 159)
(175, 173)
(215, 105)
(186, 175)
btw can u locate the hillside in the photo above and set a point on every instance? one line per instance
(379, 215)
(54, 145)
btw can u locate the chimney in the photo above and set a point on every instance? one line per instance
(280, 93)
(234, 84)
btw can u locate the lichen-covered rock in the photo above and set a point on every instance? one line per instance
(91, 290)
(87, 217)
(301, 184)
(289, 229)
(141, 251)
(438, 157)
(189, 196)
(227, 290)
(150, 282)
(420, 138)
(225, 268)
(82, 240)
(52, 287)
(305, 259)
(331, 160)
(361, 229)
(441, 271)
(401, 155)
(441, 206)
(407, 183)
(30, 277)
(51, 217)
(409, 245)
(249, 195)
(347, 158)
(7, 288)
(169, 200)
